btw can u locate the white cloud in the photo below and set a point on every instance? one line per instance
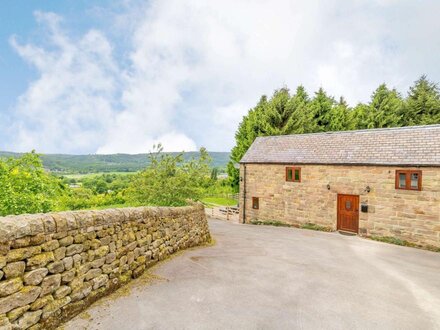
(196, 67)
(70, 105)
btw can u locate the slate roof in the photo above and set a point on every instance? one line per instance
(406, 146)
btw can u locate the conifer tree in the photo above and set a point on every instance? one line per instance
(321, 106)
(339, 116)
(297, 114)
(384, 108)
(422, 105)
(302, 118)
(277, 118)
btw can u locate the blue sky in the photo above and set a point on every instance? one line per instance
(17, 18)
(119, 76)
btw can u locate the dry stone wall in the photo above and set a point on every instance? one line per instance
(52, 266)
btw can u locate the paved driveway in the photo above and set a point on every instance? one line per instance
(260, 277)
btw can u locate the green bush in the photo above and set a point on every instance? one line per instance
(170, 180)
(25, 187)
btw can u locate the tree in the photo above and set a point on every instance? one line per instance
(384, 108)
(250, 127)
(297, 114)
(169, 180)
(339, 116)
(302, 117)
(422, 105)
(321, 106)
(277, 117)
(25, 187)
(358, 117)
(214, 174)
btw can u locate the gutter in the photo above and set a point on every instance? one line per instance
(244, 193)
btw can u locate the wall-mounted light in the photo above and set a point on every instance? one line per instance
(241, 179)
(367, 189)
(328, 186)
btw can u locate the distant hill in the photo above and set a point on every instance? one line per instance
(109, 163)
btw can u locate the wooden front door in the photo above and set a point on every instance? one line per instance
(348, 213)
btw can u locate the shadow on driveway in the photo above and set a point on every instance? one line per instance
(261, 277)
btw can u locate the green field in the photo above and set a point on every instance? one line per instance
(219, 201)
(79, 176)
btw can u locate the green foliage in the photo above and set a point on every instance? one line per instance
(297, 114)
(170, 180)
(275, 223)
(219, 201)
(25, 187)
(392, 240)
(107, 183)
(84, 198)
(121, 163)
(422, 105)
(214, 174)
(384, 108)
(314, 226)
(401, 242)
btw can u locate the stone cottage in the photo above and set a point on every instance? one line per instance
(379, 182)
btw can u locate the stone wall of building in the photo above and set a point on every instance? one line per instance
(410, 215)
(52, 266)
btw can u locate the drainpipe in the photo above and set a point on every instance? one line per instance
(244, 193)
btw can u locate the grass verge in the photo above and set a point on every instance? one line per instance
(271, 223)
(401, 242)
(314, 226)
(276, 223)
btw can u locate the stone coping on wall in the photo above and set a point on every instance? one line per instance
(54, 265)
(18, 226)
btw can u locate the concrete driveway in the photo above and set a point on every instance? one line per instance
(260, 277)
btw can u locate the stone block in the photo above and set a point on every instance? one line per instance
(110, 258)
(50, 245)
(29, 319)
(68, 276)
(60, 253)
(25, 296)
(68, 263)
(14, 269)
(23, 253)
(92, 273)
(54, 306)
(10, 286)
(17, 312)
(102, 251)
(50, 284)
(66, 241)
(74, 249)
(41, 302)
(56, 267)
(99, 281)
(40, 260)
(35, 277)
(62, 291)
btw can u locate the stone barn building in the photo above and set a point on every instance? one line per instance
(376, 182)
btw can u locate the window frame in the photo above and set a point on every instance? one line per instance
(255, 202)
(408, 179)
(293, 169)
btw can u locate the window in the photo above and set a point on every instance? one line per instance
(255, 203)
(293, 174)
(409, 180)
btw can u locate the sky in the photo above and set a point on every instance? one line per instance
(105, 76)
